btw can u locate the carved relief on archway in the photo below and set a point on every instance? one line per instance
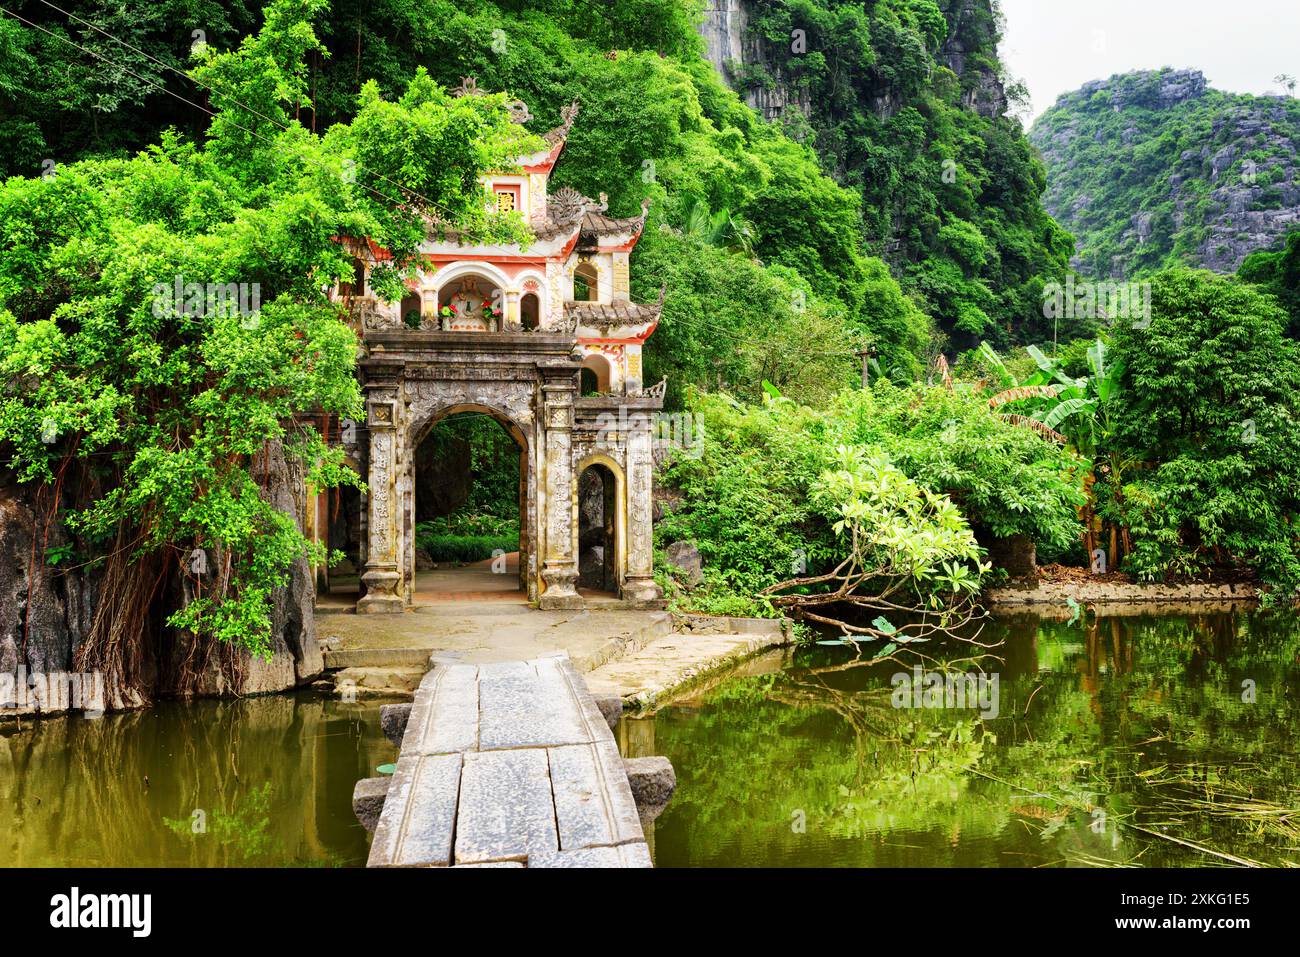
(427, 399)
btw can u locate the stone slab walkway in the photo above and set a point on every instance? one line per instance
(508, 764)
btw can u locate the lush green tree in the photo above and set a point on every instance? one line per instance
(747, 486)
(1278, 273)
(1209, 398)
(1008, 481)
(949, 194)
(904, 549)
(91, 77)
(164, 321)
(731, 323)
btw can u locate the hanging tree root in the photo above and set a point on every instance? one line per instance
(201, 658)
(116, 645)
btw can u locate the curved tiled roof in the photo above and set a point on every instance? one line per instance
(567, 115)
(620, 313)
(599, 224)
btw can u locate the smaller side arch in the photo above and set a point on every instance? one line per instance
(596, 376)
(618, 497)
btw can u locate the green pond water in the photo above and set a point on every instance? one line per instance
(1114, 741)
(270, 778)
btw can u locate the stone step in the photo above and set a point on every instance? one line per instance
(669, 666)
(376, 658)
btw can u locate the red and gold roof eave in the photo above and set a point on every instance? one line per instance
(547, 163)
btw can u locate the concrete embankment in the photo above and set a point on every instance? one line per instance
(1117, 597)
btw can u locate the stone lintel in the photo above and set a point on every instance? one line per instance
(527, 346)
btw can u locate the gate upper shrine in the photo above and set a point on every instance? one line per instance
(548, 343)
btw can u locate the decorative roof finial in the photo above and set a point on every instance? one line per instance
(518, 111)
(567, 115)
(468, 87)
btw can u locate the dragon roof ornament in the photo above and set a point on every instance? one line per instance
(567, 206)
(568, 114)
(517, 109)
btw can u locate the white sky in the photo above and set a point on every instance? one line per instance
(1055, 46)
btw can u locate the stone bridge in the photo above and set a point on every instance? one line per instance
(511, 764)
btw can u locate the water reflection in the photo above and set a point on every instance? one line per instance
(258, 782)
(1144, 741)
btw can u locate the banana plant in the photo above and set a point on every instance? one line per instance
(1074, 412)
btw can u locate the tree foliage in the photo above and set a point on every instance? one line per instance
(657, 122)
(169, 401)
(755, 496)
(1209, 401)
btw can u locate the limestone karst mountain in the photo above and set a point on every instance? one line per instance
(1150, 169)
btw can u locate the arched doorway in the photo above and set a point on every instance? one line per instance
(586, 283)
(600, 527)
(530, 312)
(469, 507)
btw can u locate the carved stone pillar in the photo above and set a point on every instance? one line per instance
(383, 573)
(512, 319)
(559, 556)
(639, 584)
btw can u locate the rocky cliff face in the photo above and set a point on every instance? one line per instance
(1150, 169)
(902, 99)
(969, 51)
(758, 68)
(47, 605)
(731, 47)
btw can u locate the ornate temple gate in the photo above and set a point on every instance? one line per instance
(529, 383)
(510, 332)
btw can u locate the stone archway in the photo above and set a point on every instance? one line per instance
(527, 382)
(420, 430)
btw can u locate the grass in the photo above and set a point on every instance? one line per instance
(465, 548)
(467, 536)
